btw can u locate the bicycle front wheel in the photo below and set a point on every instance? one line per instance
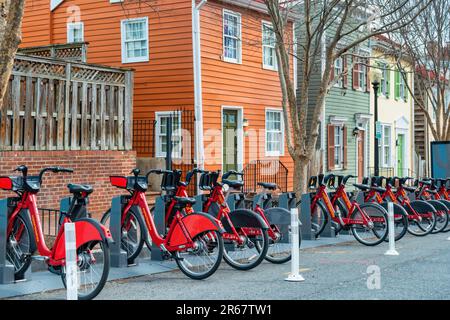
(92, 269)
(374, 232)
(133, 233)
(204, 258)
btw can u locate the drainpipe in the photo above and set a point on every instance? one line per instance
(198, 101)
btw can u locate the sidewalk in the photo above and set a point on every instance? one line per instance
(43, 281)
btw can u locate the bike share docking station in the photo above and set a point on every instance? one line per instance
(6, 269)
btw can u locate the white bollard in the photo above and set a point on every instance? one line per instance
(448, 238)
(391, 226)
(295, 256)
(71, 262)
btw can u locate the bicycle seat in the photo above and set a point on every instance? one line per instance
(363, 187)
(269, 186)
(79, 188)
(235, 184)
(378, 189)
(184, 201)
(425, 182)
(410, 189)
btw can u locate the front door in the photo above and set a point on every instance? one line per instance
(361, 138)
(400, 155)
(230, 140)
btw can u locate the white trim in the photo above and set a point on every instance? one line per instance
(275, 59)
(70, 36)
(198, 92)
(274, 153)
(54, 4)
(125, 59)
(238, 60)
(382, 145)
(239, 135)
(159, 114)
(338, 120)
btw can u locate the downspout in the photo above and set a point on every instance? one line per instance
(198, 99)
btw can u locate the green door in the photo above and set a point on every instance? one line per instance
(229, 140)
(400, 155)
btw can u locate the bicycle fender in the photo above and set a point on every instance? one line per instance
(278, 216)
(420, 206)
(446, 203)
(86, 230)
(195, 224)
(246, 218)
(439, 206)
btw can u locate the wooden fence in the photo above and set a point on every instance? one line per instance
(74, 52)
(59, 105)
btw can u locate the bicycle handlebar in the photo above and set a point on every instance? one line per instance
(191, 173)
(54, 170)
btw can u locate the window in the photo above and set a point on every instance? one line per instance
(384, 146)
(268, 45)
(401, 91)
(231, 37)
(385, 83)
(161, 134)
(274, 133)
(337, 146)
(75, 32)
(360, 71)
(135, 40)
(338, 68)
(362, 76)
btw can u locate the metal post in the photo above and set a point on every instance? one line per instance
(118, 256)
(169, 143)
(71, 261)
(295, 276)
(391, 226)
(376, 85)
(6, 269)
(305, 217)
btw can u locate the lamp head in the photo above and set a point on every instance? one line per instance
(375, 75)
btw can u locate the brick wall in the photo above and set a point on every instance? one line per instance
(90, 167)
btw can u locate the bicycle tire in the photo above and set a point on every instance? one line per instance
(380, 212)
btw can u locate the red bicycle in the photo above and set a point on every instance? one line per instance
(246, 237)
(194, 240)
(421, 215)
(25, 234)
(367, 221)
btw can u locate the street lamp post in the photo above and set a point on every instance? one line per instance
(376, 79)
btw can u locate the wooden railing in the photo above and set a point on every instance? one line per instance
(74, 52)
(58, 105)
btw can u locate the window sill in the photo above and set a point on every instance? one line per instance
(269, 68)
(274, 154)
(135, 61)
(228, 60)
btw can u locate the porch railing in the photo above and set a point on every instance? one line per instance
(271, 171)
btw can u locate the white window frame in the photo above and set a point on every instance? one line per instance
(402, 84)
(338, 69)
(125, 59)
(281, 151)
(362, 69)
(70, 35)
(176, 154)
(275, 61)
(341, 144)
(238, 38)
(383, 146)
(384, 78)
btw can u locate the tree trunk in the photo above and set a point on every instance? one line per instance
(11, 14)
(300, 175)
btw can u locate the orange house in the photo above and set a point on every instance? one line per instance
(213, 59)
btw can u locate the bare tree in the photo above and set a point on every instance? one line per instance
(427, 44)
(11, 14)
(337, 27)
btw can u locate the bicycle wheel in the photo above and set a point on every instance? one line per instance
(252, 251)
(441, 216)
(133, 233)
(203, 260)
(376, 231)
(280, 247)
(92, 269)
(400, 221)
(319, 218)
(427, 221)
(20, 245)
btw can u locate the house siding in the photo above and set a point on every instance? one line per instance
(246, 85)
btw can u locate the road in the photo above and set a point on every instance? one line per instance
(421, 271)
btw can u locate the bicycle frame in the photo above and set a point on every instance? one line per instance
(181, 230)
(322, 194)
(85, 231)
